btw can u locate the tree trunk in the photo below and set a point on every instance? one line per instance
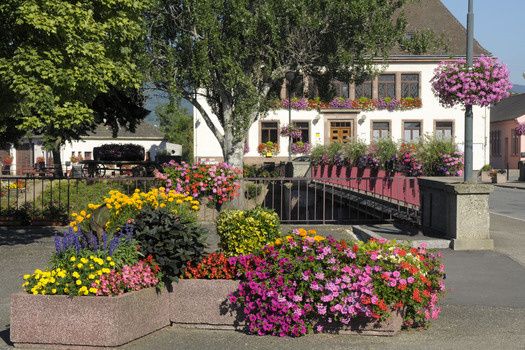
(57, 161)
(234, 154)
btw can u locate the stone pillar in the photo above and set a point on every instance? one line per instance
(458, 211)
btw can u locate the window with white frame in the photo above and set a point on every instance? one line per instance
(380, 130)
(411, 131)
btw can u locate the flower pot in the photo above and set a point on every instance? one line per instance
(207, 213)
(60, 321)
(499, 178)
(200, 303)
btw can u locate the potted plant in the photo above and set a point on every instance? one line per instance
(7, 162)
(267, 149)
(40, 165)
(301, 147)
(485, 173)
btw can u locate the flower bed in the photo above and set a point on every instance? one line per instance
(305, 282)
(216, 183)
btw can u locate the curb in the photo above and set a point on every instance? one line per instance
(511, 187)
(366, 234)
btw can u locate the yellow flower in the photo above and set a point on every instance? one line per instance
(278, 241)
(106, 270)
(93, 290)
(72, 259)
(84, 260)
(112, 263)
(26, 277)
(66, 290)
(78, 282)
(91, 276)
(179, 201)
(35, 292)
(108, 258)
(195, 207)
(79, 265)
(75, 229)
(302, 232)
(319, 238)
(54, 291)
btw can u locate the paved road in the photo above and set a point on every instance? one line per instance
(508, 202)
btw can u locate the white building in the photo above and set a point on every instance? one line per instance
(405, 76)
(146, 135)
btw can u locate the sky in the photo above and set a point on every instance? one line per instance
(499, 26)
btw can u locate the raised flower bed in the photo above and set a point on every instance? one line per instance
(64, 321)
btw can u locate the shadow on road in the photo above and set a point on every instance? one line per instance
(16, 236)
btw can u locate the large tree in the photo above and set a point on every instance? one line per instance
(230, 53)
(70, 64)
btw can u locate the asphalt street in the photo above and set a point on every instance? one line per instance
(508, 202)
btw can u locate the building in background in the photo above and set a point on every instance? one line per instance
(506, 143)
(146, 135)
(406, 76)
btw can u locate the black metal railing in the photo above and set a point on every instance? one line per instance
(50, 200)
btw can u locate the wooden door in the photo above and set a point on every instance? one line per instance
(23, 159)
(341, 131)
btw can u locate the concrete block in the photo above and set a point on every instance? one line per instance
(200, 303)
(59, 321)
(472, 244)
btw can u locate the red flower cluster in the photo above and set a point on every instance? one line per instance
(212, 266)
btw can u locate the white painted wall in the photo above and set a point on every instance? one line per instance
(207, 146)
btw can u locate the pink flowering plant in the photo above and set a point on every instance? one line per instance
(305, 283)
(486, 83)
(291, 131)
(219, 183)
(143, 274)
(451, 164)
(301, 147)
(520, 129)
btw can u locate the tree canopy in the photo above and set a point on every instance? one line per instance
(228, 54)
(177, 124)
(61, 59)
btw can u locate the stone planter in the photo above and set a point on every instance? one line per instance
(59, 321)
(200, 303)
(485, 176)
(499, 178)
(207, 214)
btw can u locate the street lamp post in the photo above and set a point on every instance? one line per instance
(290, 77)
(469, 124)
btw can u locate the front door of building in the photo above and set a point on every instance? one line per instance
(341, 131)
(23, 158)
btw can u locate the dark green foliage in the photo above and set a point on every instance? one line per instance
(177, 124)
(172, 239)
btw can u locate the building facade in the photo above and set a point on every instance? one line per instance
(404, 76)
(506, 143)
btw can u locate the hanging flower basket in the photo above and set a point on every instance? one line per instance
(291, 131)
(487, 82)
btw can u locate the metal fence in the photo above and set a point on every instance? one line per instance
(299, 200)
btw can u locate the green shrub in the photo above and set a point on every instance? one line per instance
(172, 239)
(486, 167)
(244, 231)
(353, 150)
(385, 150)
(430, 152)
(317, 153)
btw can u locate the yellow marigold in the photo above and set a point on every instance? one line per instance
(78, 282)
(302, 232)
(72, 259)
(195, 207)
(312, 232)
(319, 238)
(278, 241)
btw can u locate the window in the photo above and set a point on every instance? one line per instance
(269, 132)
(88, 155)
(515, 146)
(305, 131)
(409, 85)
(364, 89)
(444, 130)
(386, 86)
(341, 89)
(412, 131)
(380, 130)
(495, 143)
